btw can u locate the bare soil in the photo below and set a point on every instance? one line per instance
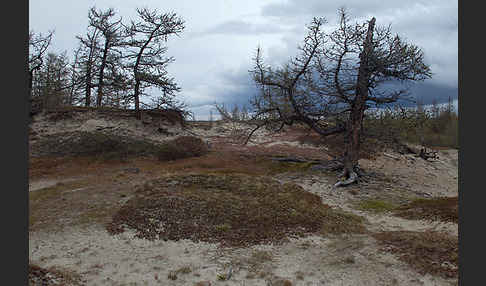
(74, 199)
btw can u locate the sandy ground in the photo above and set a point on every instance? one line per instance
(102, 259)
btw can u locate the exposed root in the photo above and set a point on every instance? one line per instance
(353, 177)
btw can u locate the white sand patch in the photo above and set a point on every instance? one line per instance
(102, 259)
(47, 183)
(41, 184)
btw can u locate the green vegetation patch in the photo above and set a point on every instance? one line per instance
(289, 167)
(427, 252)
(443, 209)
(376, 206)
(236, 210)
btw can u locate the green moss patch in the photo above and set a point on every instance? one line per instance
(376, 206)
(427, 252)
(235, 210)
(443, 209)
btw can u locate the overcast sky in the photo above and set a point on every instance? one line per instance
(213, 54)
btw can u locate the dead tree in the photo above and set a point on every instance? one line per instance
(147, 53)
(334, 79)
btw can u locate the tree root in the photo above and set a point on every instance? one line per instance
(330, 166)
(353, 177)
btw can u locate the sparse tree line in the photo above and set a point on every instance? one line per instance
(329, 86)
(434, 126)
(236, 113)
(114, 64)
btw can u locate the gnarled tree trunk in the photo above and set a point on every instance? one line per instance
(355, 121)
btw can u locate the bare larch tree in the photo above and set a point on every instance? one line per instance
(38, 45)
(147, 53)
(113, 38)
(337, 76)
(76, 79)
(90, 49)
(51, 82)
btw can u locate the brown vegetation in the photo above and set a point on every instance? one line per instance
(235, 210)
(427, 252)
(52, 276)
(182, 147)
(444, 209)
(97, 143)
(109, 146)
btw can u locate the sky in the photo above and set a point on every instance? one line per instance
(215, 50)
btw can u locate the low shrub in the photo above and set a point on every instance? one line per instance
(182, 147)
(107, 146)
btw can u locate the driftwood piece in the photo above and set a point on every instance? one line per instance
(391, 156)
(424, 154)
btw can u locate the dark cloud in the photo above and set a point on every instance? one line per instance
(431, 25)
(427, 93)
